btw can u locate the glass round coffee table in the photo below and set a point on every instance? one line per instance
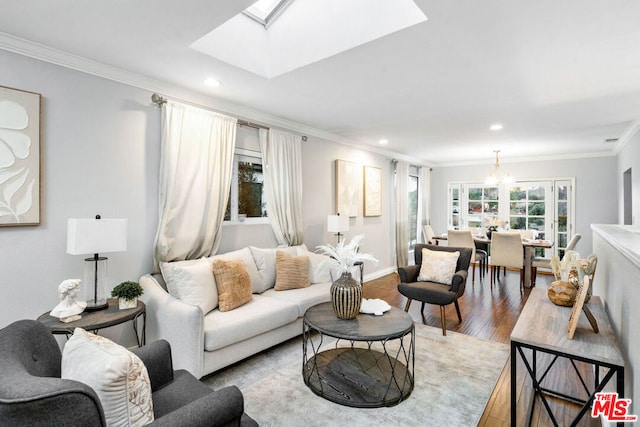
(371, 363)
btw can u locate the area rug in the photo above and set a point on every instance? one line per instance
(454, 378)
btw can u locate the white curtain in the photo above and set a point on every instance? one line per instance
(282, 165)
(402, 213)
(195, 175)
(425, 196)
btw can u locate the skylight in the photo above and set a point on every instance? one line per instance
(265, 12)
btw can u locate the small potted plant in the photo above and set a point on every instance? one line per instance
(127, 294)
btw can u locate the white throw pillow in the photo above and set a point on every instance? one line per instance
(244, 254)
(265, 259)
(438, 266)
(118, 377)
(191, 282)
(314, 261)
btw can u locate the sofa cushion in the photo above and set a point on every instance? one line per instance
(233, 283)
(118, 377)
(303, 298)
(292, 271)
(191, 282)
(258, 316)
(438, 266)
(314, 262)
(244, 254)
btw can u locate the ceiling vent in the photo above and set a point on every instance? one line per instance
(611, 140)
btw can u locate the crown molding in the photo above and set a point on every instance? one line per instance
(627, 135)
(61, 58)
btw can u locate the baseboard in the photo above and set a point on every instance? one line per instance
(378, 274)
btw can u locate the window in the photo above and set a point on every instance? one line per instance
(413, 210)
(264, 12)
(246, 196)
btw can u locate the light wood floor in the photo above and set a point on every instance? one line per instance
(492, 314)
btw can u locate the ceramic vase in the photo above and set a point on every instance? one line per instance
(124, 304)
(346, 296)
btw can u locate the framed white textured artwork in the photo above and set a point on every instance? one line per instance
(19, 157)
(348, 187)
(372, 191)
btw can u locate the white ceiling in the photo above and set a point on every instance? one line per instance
(561, 76)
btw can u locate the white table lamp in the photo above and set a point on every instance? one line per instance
(338, 224)
(94, 236)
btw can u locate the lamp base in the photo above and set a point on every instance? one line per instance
(93, 306)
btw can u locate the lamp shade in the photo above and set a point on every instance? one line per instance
(92, 236)
(337, 223)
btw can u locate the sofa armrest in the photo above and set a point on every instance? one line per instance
(182, 325)
(157, 359)
(220, 408)
(409, 273)
(459, 281)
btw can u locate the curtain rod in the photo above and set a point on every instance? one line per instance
(160, 101)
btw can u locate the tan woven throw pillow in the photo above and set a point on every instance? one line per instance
(233, 283)
(292, 272)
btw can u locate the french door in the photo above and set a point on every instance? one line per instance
(545, 207)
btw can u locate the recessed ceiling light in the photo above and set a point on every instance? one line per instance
(211, 82)
(383, 142)
(496, 127)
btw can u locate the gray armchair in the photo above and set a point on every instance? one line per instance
(33, 394)
(432, 292)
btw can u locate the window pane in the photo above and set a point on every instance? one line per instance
(517, 193)
(562, 223)
(250, 190)
(536, 193)
(517, 222)
(536, 224)
(491, 207)
(475, 193)
(475, 207)
(562, 192)
(491, 193)
(413, 211)
(562, 240)
(518, 208)
(562, 208)
(536, 208)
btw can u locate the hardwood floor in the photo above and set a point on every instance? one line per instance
(491, 314)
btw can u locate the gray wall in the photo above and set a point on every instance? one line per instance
(101, 154)
(595, 178)
(629, 157)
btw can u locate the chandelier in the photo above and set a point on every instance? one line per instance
(497, 176)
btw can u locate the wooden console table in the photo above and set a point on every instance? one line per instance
(542, 328)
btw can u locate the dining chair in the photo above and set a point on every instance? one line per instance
(429, 235)
(464, 239)
(541, 262)
(506, 251)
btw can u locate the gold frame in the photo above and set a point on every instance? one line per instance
(20, 162)
(372, 191)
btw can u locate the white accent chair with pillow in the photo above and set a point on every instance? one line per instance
(216, 311)
(439, 276)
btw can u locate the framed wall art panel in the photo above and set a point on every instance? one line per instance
(372, 191)
(19, 157)
(348, 187)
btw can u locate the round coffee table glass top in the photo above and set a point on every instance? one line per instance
(371, 363)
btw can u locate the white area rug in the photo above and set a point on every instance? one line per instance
(454, 378)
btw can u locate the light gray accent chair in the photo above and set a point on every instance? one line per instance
(429, 235)
(541, 262)
(432, 292)
(33, 394)
(507, 252)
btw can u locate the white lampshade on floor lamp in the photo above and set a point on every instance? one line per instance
(338, 224)
(95, 236)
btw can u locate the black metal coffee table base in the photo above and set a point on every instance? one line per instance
(375, 367)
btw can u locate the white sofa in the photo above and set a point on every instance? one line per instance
(206, 342)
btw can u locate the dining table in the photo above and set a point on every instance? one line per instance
(529, 246)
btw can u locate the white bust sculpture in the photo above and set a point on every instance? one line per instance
(68, 291)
